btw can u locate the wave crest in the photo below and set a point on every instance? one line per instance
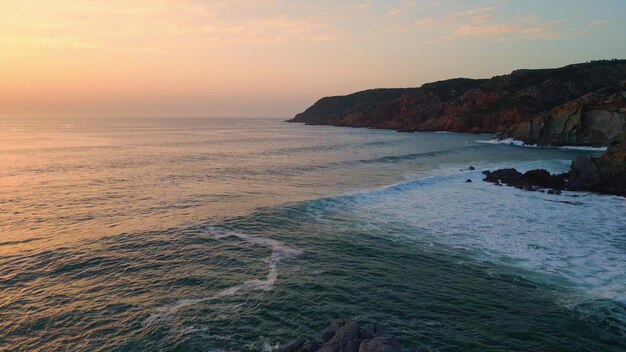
(280, 252)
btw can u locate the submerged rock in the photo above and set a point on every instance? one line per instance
(347, 336)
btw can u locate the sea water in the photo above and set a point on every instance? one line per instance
(243, 234)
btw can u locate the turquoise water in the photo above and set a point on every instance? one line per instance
(242, 234)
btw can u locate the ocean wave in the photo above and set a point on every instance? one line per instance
(532, 231)
(280, 252)
(518, 143)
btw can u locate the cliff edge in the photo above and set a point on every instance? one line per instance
(581, 104)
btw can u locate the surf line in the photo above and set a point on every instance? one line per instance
(280, 252)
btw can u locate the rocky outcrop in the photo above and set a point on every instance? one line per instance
(596, 119)
(604, 174)
(347, 336)
(533, 180)
(579, 104)
(399, 109)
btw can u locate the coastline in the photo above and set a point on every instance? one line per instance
(605, 174)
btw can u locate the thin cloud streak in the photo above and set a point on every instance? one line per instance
(195, 55)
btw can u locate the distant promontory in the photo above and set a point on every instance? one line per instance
(580, 105)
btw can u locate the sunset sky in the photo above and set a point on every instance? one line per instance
(273, 57)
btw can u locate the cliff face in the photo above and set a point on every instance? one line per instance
(596, 119)
(387, 108)
(535, 106)
(605, 174)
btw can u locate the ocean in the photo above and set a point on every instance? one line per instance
(243, 234)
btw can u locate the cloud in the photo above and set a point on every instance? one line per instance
(484, 22)
(601, 22)
(480, 11)
(156, 24)
(426, 22)
(535, 30)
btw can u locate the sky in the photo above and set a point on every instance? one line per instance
(262, 58)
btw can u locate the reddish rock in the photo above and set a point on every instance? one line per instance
(531, 105)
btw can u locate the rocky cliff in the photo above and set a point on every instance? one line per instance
(604, 174)
(596, 119)
(580, 104)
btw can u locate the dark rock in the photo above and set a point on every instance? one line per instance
(330, 331)
(353, 345)
(532, 181)
(584, 175)
(510, 177)
(348, 330)
(293, 346)
(543, 178)
(384, 343)
(606, 174)
(468, 181)
(347, 336)
(368, 331)
(471, 168)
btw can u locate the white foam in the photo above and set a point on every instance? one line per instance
(280, 252)
(518, 143)
(508, 141)
(591, 149)
(574, 242)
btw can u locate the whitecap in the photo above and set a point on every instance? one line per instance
(280, 252)
(582, 148)
(508, 141)
(518, 143)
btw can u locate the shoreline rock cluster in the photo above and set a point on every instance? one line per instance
(347, 336)
(533, 180)
(605, 174)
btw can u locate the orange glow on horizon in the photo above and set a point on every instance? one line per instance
(261, 58)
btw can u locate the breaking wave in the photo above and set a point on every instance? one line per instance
(280, 252)
(518, 143)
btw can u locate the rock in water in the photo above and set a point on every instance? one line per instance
(384, 343)
(533, 180)
(606, 174)
(543, 178)
(510, 177)
(347, 336)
